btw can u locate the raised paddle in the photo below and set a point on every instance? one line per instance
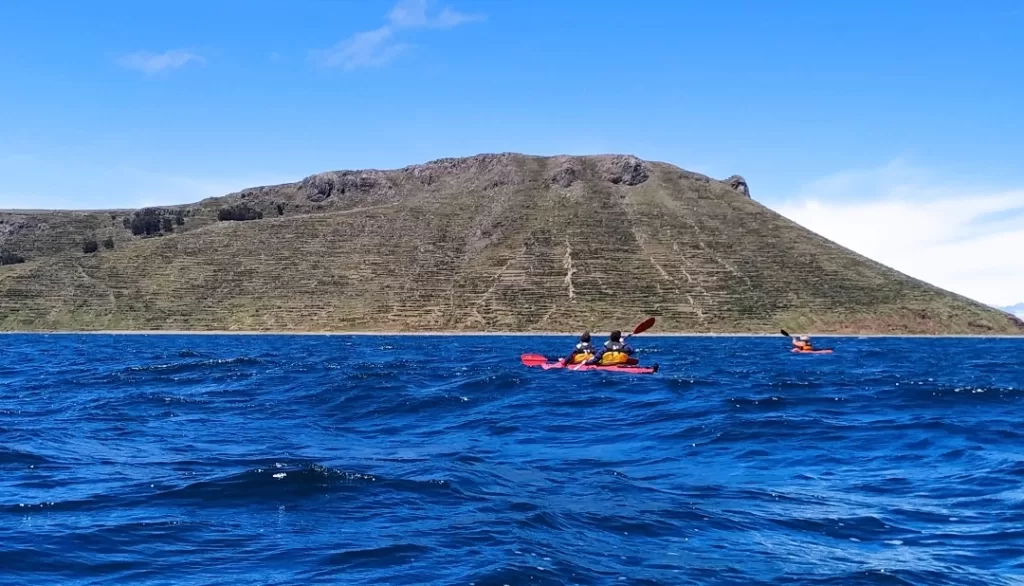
(640, 328)
(785, 333)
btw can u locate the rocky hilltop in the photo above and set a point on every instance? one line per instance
(497, 242)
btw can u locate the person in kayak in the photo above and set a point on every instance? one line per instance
(583, 351)
(615, 351)
(803, 343)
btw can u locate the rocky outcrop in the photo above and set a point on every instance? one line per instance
(566, 173)
(625, 170)
(738, 183)
(319, 187)
(485, 171)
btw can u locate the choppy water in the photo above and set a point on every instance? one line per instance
(414, 460)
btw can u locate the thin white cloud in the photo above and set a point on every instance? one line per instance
(152, 63)
(380, 46)
(450, 18)
(964, 239)
(413, 14)
(366, 49)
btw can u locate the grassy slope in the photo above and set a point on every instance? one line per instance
(487, 243)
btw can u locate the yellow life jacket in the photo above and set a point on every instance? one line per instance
(584, 351)
(613, 354)
(613, 358)
(581, 357)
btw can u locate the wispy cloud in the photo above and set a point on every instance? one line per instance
(413, 14)
(366, 49)
(152, 63)
(960, 237)
(380, 46)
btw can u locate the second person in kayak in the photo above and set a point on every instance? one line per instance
(582, 352)
(615, 351)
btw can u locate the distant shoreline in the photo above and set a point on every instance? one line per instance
(477, 334)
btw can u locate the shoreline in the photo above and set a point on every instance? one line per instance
(361, 333)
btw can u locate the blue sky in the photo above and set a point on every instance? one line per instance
(830, 110)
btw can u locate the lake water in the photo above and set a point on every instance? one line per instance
(431, 460)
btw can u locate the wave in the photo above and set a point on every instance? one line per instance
(183, 458)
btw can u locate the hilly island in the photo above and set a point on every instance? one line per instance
(489, 243)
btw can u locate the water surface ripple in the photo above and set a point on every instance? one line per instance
(430, 460)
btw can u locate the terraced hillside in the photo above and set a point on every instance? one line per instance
(488, 243)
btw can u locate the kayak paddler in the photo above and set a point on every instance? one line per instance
(615, 351)
(582, 352)
(803, 343)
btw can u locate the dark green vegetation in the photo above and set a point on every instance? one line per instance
(492, 243)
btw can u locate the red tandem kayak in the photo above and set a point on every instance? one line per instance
(534, 360)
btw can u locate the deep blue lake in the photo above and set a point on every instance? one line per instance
(442, 460)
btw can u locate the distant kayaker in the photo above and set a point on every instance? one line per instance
(803, 343)
(614, 351)
(583, 351)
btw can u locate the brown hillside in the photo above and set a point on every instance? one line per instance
(492, 242)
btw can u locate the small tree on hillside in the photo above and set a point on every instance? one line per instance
(10, 258)
(239, 213)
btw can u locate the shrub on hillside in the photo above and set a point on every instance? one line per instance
(9, 258)
(146, 221)
(108, 243)
(90, 246)
(239, 213)
(154, 221)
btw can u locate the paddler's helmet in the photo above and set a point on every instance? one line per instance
(585, 337)
(615, 336)
(804, 338)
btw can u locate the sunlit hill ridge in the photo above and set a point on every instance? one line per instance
(494, 242)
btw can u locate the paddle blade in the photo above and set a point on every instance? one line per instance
(533, 359)
(785, 333)
(644, 325)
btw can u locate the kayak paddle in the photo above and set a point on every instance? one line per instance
(533, 359)
(642, 327)
(785, 333)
